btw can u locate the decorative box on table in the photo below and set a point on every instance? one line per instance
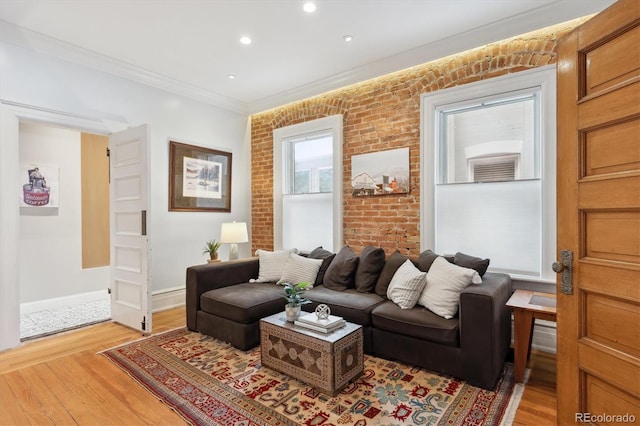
(325, 361)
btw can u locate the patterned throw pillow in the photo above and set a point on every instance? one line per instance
(272, 264)
(445, 282)
(406, 285)
(300, 269)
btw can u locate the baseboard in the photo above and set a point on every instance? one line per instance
(162, 300)
(544, 336)
(63, 302)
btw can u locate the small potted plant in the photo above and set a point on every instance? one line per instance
(211, 247)
(293, 296)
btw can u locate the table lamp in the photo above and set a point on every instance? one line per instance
(234, 233)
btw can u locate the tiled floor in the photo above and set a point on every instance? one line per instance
(44, 323)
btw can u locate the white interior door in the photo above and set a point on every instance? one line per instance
(130, 286)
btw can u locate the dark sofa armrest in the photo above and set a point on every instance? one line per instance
(202, 278)
(485, 328)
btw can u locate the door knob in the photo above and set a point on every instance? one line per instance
(557, 267)
(565, 267)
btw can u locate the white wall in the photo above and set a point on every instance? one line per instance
(49, 84)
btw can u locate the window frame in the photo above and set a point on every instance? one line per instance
(331, 124)
(545, 79)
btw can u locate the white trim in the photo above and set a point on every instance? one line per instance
(63, 302)
(332, 123)
(169, 298)
(545, 78)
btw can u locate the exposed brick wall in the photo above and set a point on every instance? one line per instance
(383, 114)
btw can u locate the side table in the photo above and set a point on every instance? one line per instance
(527, 306)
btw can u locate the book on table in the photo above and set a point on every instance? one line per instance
(319, 328)
(313, 319)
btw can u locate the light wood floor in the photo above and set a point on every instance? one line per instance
(62, 380)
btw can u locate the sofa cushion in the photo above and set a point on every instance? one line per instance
(390, 267)
(300, 269)
(349, 304)
(417, 322)
(406, 285)
(472, 262)
(327, 257)
(445, 282)
(369, 268)
(425, 260)
(244, 303)
(341, 272)
(272, 264)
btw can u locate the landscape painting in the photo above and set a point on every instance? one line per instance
(201, 178)
(380, 173)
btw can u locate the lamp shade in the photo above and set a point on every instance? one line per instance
(233, 233)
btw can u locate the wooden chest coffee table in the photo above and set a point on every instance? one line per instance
(325, 361)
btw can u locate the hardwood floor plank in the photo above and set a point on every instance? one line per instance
(11, 413)
(51, 405)
(26, 399)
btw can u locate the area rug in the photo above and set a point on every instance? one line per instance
(209, 382)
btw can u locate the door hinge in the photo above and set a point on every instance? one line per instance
(109, 290)
(109, 165)
(144, 323)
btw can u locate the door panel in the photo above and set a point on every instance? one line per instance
(599, 215)
(130, 288)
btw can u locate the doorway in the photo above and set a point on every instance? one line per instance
(64, 229)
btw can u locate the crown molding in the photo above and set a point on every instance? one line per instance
(42, 44)
(544, 16)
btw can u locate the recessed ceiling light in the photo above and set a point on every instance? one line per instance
(347, 38)
(309, 7)
(245, 40)
(231, 76)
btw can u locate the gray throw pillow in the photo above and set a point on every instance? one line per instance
(369, 268)
(341, 272)
(327, 257)
(425, 260)
(390, 267)
(471, 262)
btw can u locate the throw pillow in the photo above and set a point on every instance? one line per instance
(272, 264)
(341, 272)
(390, 267)
(300, 269)
(369, 267)
(445, 282)
(407, 285)
(327, 257)
(425, 260)
(471, 262)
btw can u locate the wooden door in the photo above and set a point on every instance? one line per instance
(599, 217)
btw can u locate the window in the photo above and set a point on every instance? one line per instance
(307, 168)
(489, 172)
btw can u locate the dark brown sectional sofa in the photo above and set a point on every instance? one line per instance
(223, 303)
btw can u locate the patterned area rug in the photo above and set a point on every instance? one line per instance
(211, 383)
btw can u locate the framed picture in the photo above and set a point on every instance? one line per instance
(39, 186)
(380, 173)
(199, 179)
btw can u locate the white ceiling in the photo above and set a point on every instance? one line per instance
(191, 46)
